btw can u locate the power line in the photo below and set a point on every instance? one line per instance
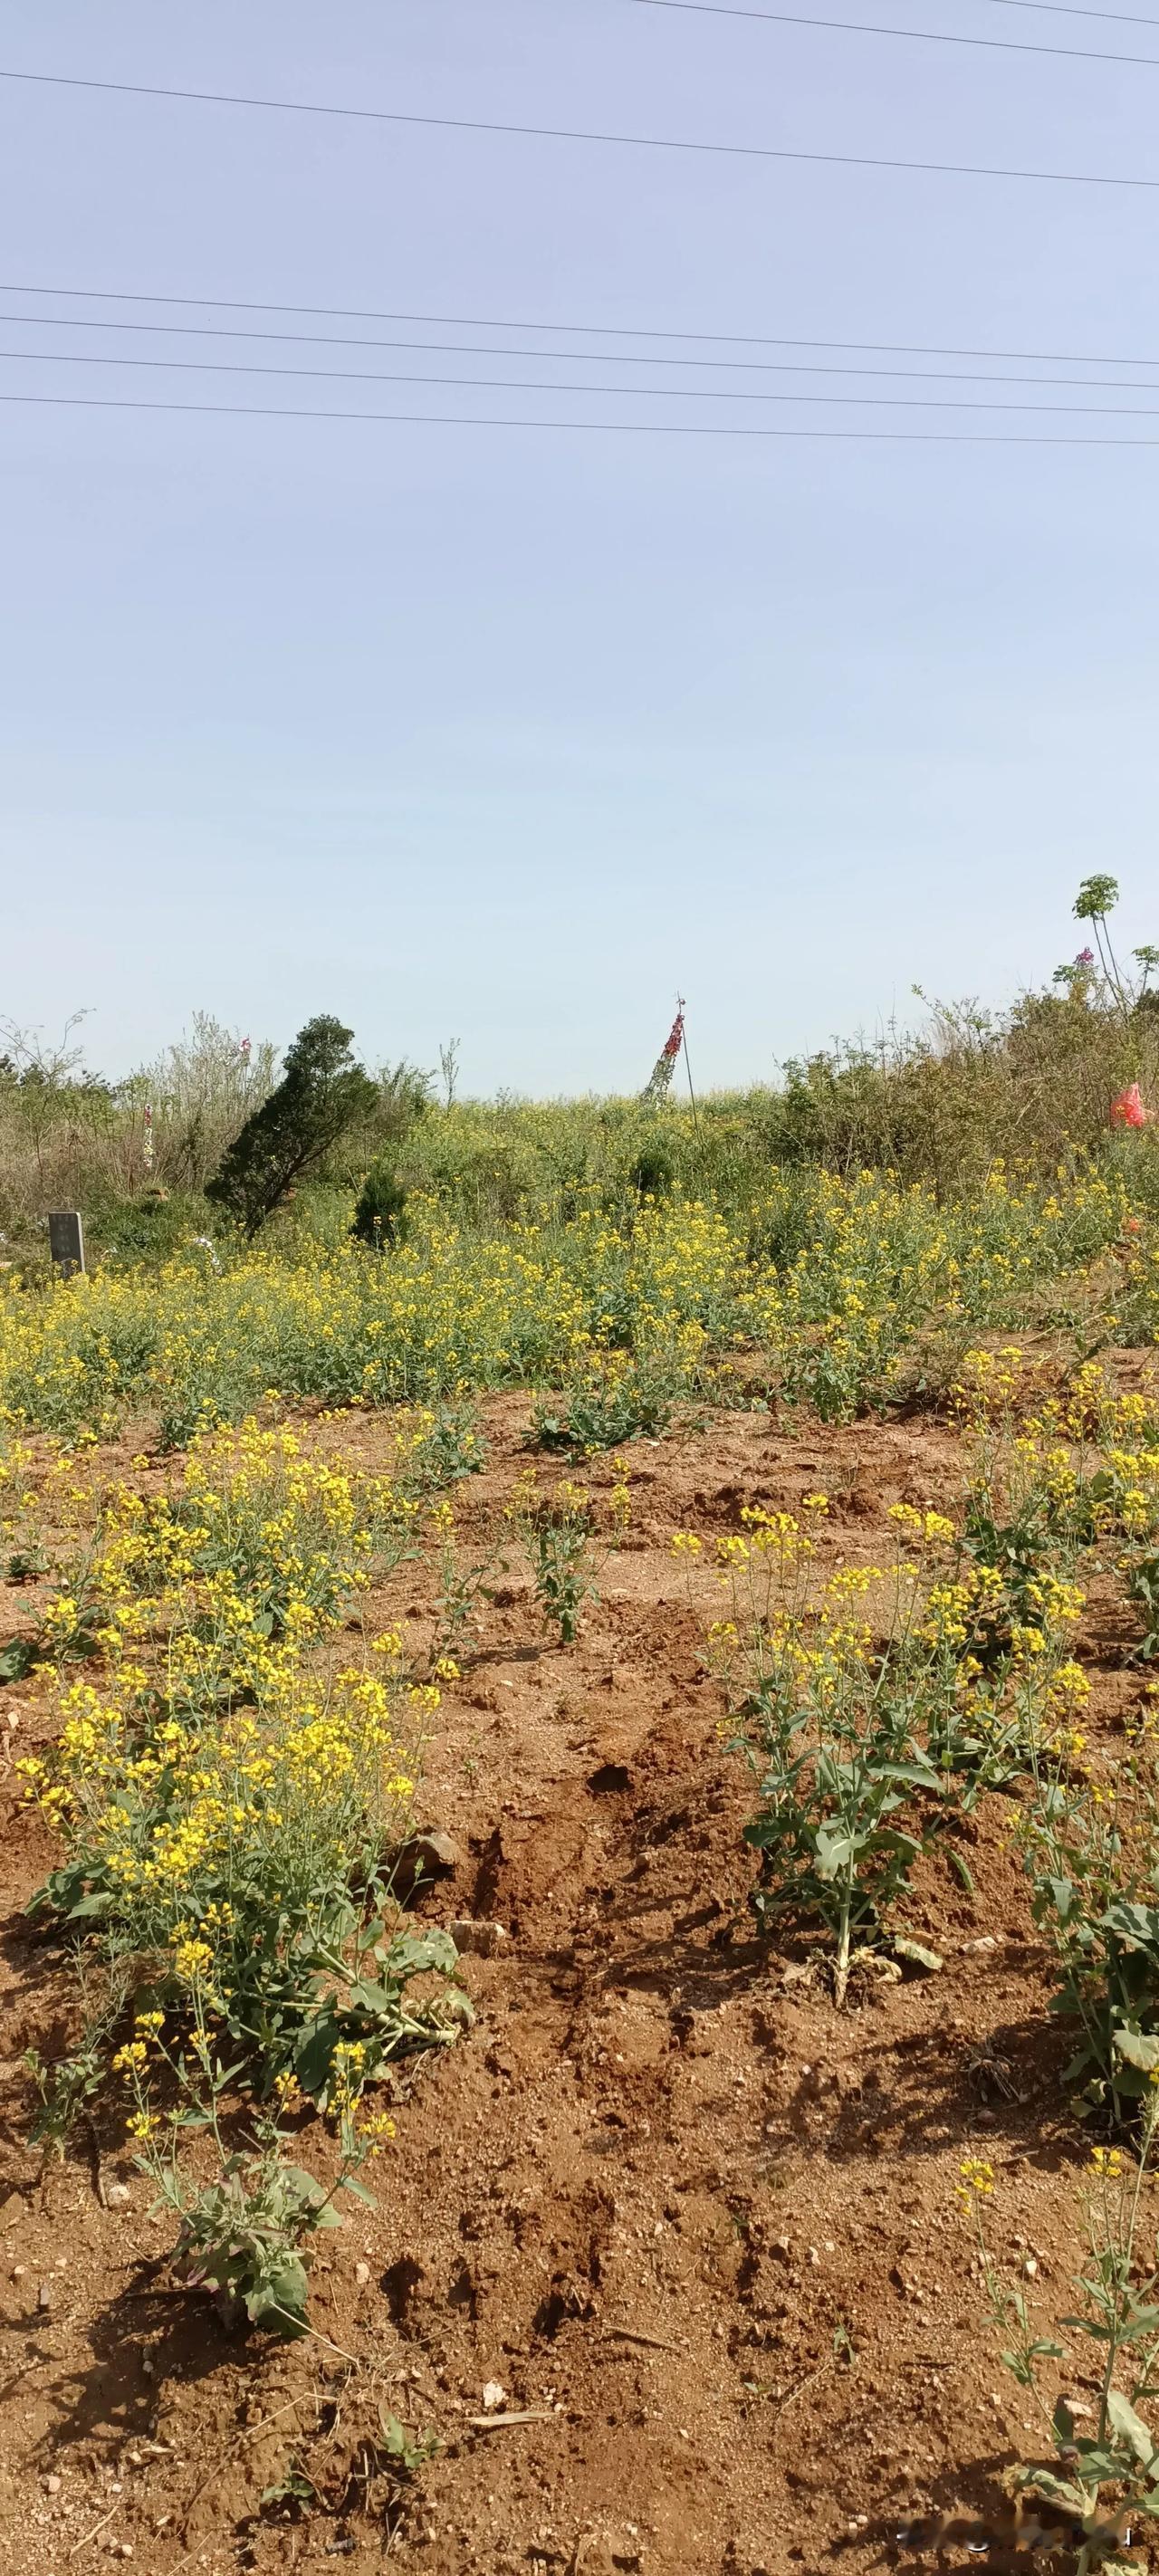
(608, 330)
(1069, 9)
(557, 357)
(908, 35)
(525, 385)
(640, 428)
(585, 134)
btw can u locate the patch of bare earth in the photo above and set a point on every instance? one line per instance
(697, 2227)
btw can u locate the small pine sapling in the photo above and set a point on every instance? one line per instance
(379, 1216)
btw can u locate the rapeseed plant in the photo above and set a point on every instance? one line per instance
(558, 1532)
(1089, 1837)
(834, 1727)
(244, 2234)
(861, 1704)
(1099, 2479)
(230, 1798)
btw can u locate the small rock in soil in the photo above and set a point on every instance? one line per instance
(427, 1856)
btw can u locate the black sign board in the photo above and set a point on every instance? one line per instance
(66, 1241)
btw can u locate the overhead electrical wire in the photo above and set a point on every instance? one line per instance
(556, 357)
(907, 35)
(615, 428)
(1070, 9)
(605, 330)
(585, 134)
(525, 385)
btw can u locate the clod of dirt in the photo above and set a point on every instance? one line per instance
(687, 2030)
(595, 2556)
(483, 1940)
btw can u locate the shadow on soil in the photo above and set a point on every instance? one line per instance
(927, 2090)
(148, 2340)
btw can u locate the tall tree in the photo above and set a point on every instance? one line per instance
(322, 1093)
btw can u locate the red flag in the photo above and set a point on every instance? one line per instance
(1127, 1109)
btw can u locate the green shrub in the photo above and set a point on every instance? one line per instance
(653, 1170)
(146, 1226)
(379, 1217)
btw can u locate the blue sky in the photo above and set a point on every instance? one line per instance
(505, 736)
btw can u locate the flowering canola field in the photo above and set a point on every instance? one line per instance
(830, 1282)
(235, 1735)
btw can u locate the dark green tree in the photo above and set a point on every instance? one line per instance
(379, 1218)
(322, 1093)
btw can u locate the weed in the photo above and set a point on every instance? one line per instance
(402, 2451)
(449, 1445)
(65, 2087)
(292, 2488)
(1143, 1590)
(243, 2234)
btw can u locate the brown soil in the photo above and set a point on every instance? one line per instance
(694, 2222)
